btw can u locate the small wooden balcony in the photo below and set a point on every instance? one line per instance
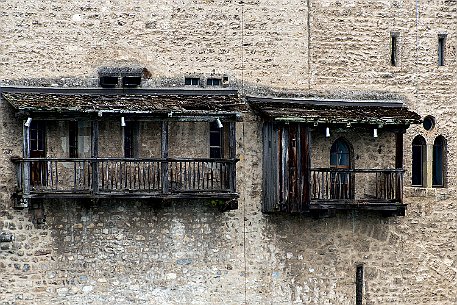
(126, 178)
(369, 189)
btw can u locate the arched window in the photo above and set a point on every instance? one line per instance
(438, 161)
(418, 161)
(341, 181)
(340, 155)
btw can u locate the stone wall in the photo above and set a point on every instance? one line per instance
(146, 252)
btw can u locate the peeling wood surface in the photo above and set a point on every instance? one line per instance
(159, 103)
(314, 113)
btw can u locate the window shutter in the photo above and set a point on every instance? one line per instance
(270, 201)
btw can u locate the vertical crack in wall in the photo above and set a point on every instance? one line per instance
(308, 22)
(242, 47)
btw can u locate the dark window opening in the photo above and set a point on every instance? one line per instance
(129, 140)
(38, 175)
(438, 161)
(340, 158)
(192, 81)
(108, 81)
(37, 139)
(394, 49)
(340, 154)
(429, 123)
(213, 82)
(73, 139)
(131, 81)
(418, 159)
(359, 285)
(215, 141)
(441, 49)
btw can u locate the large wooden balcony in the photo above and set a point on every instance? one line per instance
(370, 189)
(126, 178)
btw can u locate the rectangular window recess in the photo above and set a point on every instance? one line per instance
(213, 82)
(394, 49)
(441, 49)
(192, 81)
(131, 81)
(108, 81)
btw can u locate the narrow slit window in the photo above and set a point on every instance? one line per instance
(215, 141)
(441, 49)
(359, 285)
(73, 139)
(394, 49)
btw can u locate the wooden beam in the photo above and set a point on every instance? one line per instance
(306, 166)
(26, 168)
(164, 150)
(94, 152)
(232, 155)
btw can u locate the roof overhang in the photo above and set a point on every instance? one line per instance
(332, 111)
(135, 102)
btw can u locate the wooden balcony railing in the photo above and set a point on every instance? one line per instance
(125, 176)
(357, 185)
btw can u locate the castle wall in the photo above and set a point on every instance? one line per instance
(146, 252)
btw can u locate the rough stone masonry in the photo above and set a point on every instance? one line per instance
(137, 252)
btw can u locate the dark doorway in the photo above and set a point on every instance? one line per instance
(38, 150)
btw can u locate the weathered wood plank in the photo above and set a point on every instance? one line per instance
(164, 154)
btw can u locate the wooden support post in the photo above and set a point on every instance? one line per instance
(399, 164)
(94, 154)
(232, 155)
(164, 149)
(306, 166)
(26, 170)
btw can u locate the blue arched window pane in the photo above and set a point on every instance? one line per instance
(339, 154)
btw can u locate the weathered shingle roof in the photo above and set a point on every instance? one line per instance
(334, 112)
(123, 101)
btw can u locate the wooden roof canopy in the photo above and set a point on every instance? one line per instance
(326, 111)
(158, 102)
